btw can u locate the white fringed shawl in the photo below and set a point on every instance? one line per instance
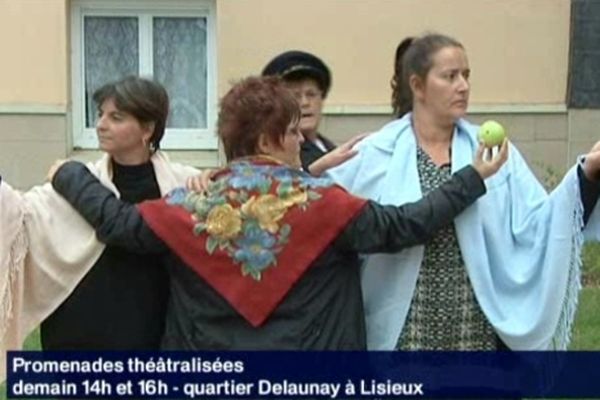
(46, 248)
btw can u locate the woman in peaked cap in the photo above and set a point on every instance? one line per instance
(309, 79)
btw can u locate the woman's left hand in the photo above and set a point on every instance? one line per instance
(337, 156)
(54, 168)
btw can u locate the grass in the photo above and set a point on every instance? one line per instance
(32, 343)
(586, 333)
(591, 265)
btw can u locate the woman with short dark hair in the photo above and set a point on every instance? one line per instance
(54, 269)
(146, 100)
(121, 302)
(247, 269)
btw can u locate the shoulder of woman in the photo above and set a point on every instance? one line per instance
(386, 137)
(470, 128)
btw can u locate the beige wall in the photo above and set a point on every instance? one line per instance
(33, 39)
(518, 49)
(29, 144)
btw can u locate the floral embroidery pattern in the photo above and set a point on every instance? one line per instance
(223, 221)
(243, 211)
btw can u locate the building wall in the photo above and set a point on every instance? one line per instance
(518, 49)
(29, 144)
(33, 39)
(34, 82)
(518, 53)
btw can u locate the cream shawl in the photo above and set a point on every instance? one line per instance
(46, 248)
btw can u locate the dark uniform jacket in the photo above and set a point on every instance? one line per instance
(310, 152)
(322, 311)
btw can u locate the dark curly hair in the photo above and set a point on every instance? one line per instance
(414, 57)
(255, 106)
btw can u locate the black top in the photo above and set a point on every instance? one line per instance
(121, 303)
(310, 152)
(323, 311)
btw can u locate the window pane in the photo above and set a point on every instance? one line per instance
(180, 64)
(111, 53)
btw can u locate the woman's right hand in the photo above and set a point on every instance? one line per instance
(487, 164)
(199, 183)
(591, 165)
(337, 156)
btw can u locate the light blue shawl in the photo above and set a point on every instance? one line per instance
(521, 246)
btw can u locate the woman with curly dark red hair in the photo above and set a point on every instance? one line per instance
(247, 269)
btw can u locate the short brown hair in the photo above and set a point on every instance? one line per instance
(145, 99)
(255, 106)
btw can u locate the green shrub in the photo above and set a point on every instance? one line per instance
(591, 264)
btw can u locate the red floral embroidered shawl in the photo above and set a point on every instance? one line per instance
(254, 234)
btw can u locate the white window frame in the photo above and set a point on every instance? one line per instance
(185, 139)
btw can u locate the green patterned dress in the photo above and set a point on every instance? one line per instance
(444, 313)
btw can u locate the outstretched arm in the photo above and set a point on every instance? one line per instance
(389, 229)
(589, 177)
(116, 222)
(392, 228)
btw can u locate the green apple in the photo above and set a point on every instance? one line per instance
(491, 133)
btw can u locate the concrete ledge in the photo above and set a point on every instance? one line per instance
(33, 108)
(341, 109)
(381, 109)
(196, 158)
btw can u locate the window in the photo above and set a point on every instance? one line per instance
(172, 41)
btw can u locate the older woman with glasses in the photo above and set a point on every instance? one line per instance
(309, 79)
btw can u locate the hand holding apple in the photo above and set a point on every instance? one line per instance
(491, 133)
(486, 163)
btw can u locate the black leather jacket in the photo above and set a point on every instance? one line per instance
(323, 311)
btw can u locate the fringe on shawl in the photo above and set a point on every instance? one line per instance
(564, 328)
(16, 263)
